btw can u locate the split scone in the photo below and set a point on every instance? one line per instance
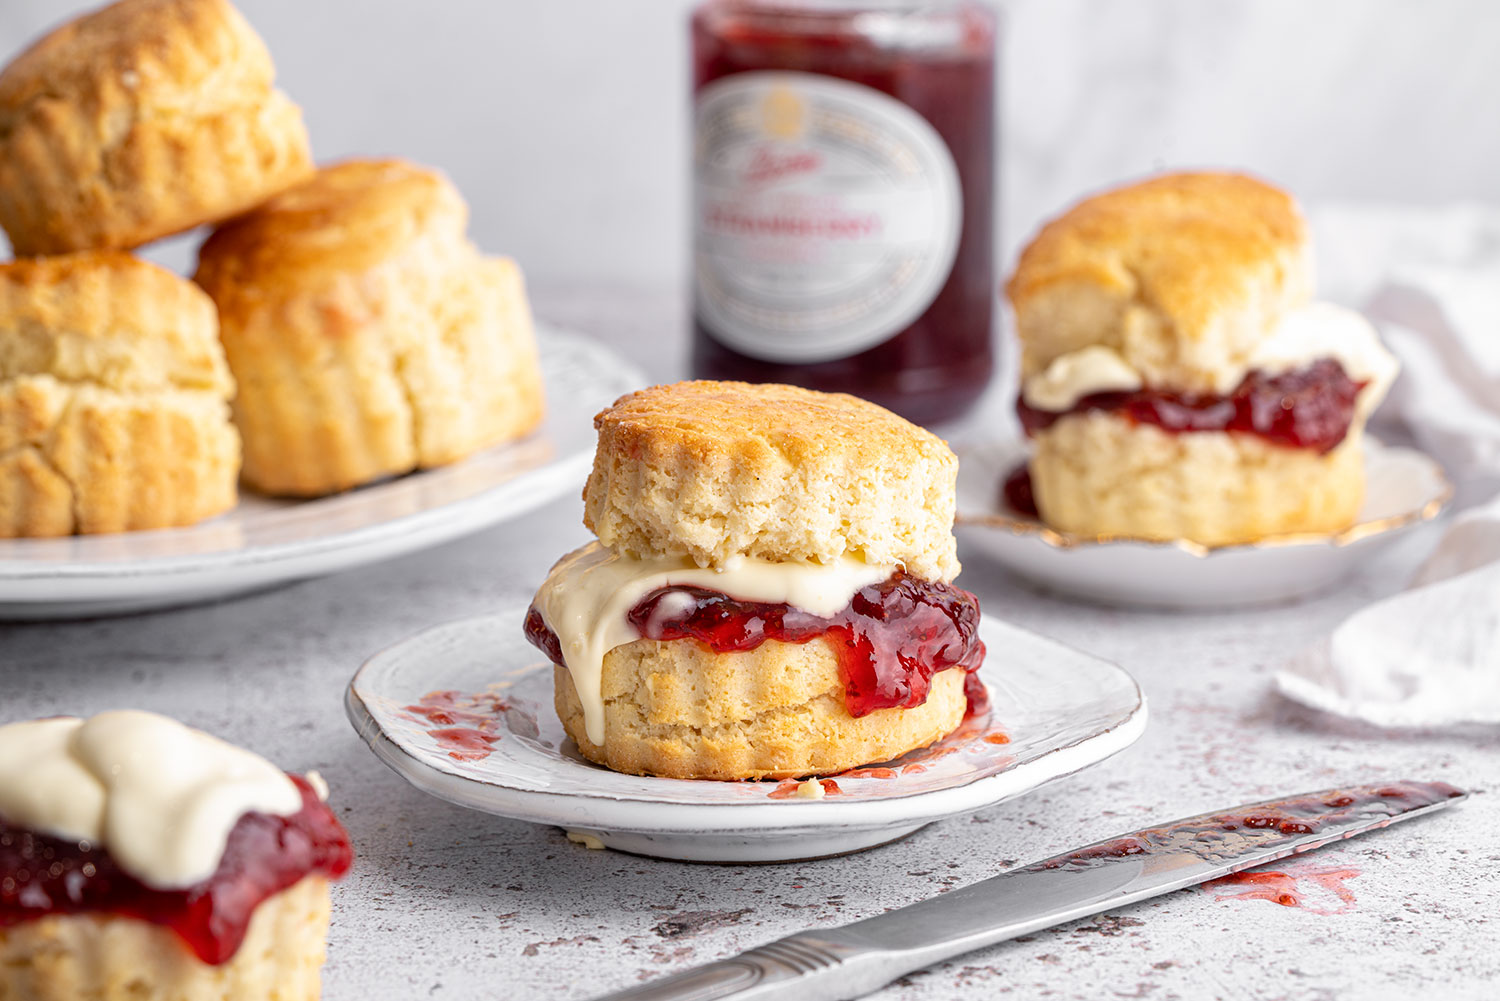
(368, 336)
(1177, 381)
(140, 120)
(142, 859)
(770, 595)
(114, 398)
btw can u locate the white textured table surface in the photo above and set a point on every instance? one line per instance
(445, 903)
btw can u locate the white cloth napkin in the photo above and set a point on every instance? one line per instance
(1429, 655)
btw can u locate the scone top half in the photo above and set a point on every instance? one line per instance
(139, 120)
(1185, 282)
(719, 471)
(350, 219)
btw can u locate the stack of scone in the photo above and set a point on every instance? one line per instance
(1178, 381)
(367, 335)
(769, 595)
(141, 859)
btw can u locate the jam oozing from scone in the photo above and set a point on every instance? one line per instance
(890, 640)
(42, 875)
(1310, 407)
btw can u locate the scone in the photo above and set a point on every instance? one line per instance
(367, 334)
(114, 398)
(770, 595)
(140, 120)
(1177, 380)
(142, 859)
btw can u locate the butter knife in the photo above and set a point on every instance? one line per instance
(855, 959)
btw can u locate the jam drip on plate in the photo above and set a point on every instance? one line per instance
(1310, 407)
(1017, 494)
(890, 640)
(265, 854)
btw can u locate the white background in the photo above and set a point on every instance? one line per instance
(565, 121)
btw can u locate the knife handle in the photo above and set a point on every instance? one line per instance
(811, 962)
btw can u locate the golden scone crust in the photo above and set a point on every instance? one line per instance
(139, 120)
(91, 957)
(1182, 274)
(679, 710)
(114, 397)
(367, 334)
(715, 470)
(1095, 473)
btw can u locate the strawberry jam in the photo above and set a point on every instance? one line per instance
(1310, 407)
(890, 640)
(265, 854)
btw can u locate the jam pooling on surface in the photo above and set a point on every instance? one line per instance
(890, 640)
(42, 875)
(1282, 887)
(939, 365)
(1310, 407)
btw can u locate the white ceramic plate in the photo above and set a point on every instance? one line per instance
(265, 542)
(1405, 488)
(1054, 711)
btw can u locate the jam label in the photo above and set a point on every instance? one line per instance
(827, 215)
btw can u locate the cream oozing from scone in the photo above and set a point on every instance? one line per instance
(587, 598)
(159, 796)
(1304, 335)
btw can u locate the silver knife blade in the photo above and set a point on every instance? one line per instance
(855, 959)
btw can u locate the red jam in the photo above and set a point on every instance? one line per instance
(793, 232)
(41, 875)
(1017, 493)
(891, 639)
(1309, 407)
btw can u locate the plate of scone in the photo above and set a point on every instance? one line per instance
(1195, 418)
(761, 657)
(345, 377)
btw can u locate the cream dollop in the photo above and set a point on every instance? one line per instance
(1304, 335)
(590, 591)
(159, 796)
(1324, 330)
(1070, 377)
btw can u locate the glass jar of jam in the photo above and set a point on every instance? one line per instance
(843, 198)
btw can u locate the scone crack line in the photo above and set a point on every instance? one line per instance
(46, 451)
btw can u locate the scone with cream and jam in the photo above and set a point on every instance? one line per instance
(142, 859)
(770, 594)
(139, 120)
(1178, 381)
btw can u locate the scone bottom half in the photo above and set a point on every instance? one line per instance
(1178, 380)
(717, 632)
(141, 858)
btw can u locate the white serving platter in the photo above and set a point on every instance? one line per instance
(1405, 488)
(265, 542)
(1054, 711)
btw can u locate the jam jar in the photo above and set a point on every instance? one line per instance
(844, 198)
